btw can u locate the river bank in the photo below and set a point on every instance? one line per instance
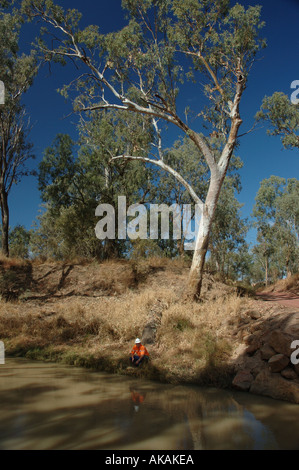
(88, 315)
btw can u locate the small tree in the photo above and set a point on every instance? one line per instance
(139, 68)
(228, 234)
(17, 72)
(277, 220)
(283, 117)
(19, 241)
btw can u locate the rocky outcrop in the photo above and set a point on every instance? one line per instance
(267, 352)
(275, 386)
(243, 380)
(278, 362)
(264, 362)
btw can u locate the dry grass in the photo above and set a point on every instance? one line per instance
(191, 340)
(15, 277)
(289, 284)
(194, 337)
(8, 263)
(99, 321)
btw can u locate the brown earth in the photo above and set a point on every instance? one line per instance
(288, 299)
(284, 292)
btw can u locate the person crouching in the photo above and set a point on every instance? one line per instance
(139, 353)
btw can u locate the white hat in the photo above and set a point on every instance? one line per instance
(137, 340)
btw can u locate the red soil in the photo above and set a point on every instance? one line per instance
(288, 299)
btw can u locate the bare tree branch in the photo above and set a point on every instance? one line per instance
(167, 168)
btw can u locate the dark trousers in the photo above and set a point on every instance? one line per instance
(135, 358)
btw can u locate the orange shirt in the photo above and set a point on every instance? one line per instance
(137, 397)
(142, 351)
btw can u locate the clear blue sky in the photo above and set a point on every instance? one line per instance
(262, 155)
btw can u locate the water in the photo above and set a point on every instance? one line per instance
(51, 406)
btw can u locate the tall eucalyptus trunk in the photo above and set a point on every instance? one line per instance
(5, 222)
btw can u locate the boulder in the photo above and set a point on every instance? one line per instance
(278, 362)
(280, 342)
(275, 386)
(243, 380)
(254, 314)
(244, 362)
(267, 352)
(258, 368)
(252, 348)
(291, 327)
(289, 373)
(249, 339)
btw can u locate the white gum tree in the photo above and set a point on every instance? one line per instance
(144, 67)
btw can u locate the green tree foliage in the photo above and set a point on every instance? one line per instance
(63, 234)
(58, 178)
(227, 243)
(74, 179)
(19, 242)
(63, 230)
(277, 220)
(17, 72)
(283, 118)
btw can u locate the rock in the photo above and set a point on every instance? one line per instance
(291, 327)
(280, 342)
(275, 386)
(243, 380)
(241, 334)
(258, 368)
(148, 334)
(240, 351)
(267, 352)
(250, 350)
(249, 339)
(253, 314)
(244, 362)
(155, 314)
(278, 362)
(244, 318)
(255, 327)
(289, 373)
(296, 368)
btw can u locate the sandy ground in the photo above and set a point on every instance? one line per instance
(288, 299)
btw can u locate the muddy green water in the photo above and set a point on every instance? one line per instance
(51, 406)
